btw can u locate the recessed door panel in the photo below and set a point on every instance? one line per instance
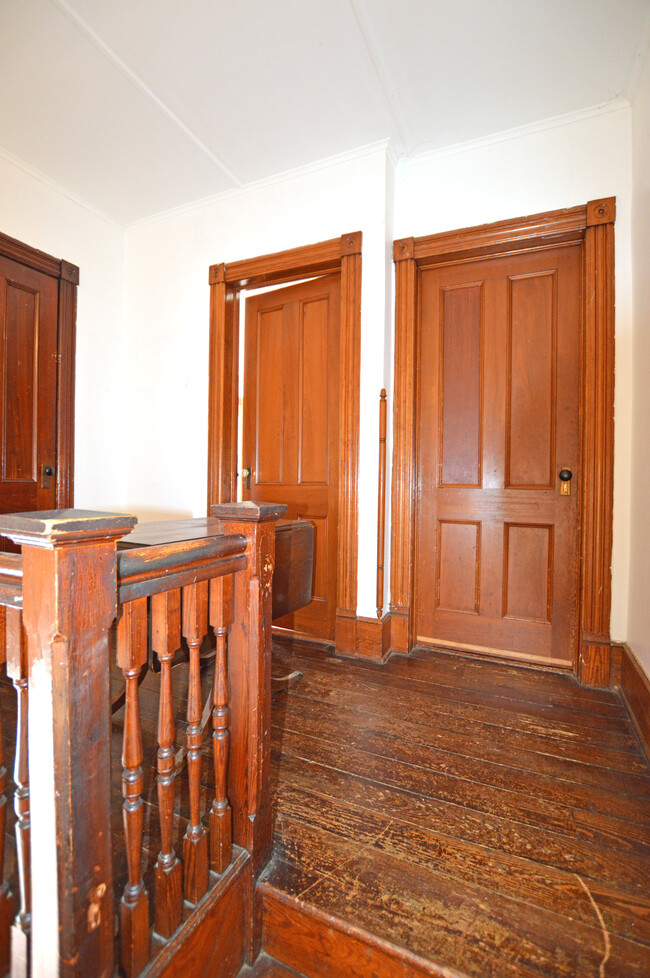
(528, 572)
(458, 566)
(461, 385)
(530, 453)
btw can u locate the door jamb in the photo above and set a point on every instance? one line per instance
(68, 279)
(593, 226)
(226, 282)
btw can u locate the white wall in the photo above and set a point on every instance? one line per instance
(638, 632)
(167, 303)
(41, 216)
(142, 371)
(526, 174)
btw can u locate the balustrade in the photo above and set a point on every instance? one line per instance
(74, 588)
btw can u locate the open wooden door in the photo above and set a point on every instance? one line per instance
(291, 424)
(37, 324)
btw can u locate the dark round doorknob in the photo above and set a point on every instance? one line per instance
(565, 475)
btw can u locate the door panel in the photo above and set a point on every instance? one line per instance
(291, 423)
(28, 368)
(497, 562)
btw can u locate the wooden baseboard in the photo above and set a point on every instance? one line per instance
(210, 941)
(321, 946)
(635, 691)
(399, 631)
(594, 665)
(362, 638)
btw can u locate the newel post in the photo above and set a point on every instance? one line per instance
(249, 672)
(69, 602)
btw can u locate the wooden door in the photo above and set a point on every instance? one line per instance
(499, 367)
(291, 423)
(28, 386)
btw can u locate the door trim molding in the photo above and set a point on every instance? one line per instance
(341, 255)
(68, 278)
(593, 226)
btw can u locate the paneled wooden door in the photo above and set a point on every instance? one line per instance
(499, 369)
(28, 382)
(291, 424)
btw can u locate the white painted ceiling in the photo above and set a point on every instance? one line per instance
(138, 106)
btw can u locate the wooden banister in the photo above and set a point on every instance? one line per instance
(249, 786)
(69, 602)
(67, 589)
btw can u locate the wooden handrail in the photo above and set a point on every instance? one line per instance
(150, 570)
(11, 565)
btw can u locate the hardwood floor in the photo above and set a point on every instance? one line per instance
(479, 816)
(439, 815)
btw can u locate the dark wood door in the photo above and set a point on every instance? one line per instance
(497, 543)
(291, 423)
(28, 386)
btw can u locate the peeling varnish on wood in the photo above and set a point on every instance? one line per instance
(601, 969)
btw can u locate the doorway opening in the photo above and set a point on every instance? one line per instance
(336, 259)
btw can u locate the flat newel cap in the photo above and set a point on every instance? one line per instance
(248, 512)
(56, 527)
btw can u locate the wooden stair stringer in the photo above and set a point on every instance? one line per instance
(319, 945)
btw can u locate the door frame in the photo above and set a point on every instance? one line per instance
(227, 280)
(592, 226)
(67, 275)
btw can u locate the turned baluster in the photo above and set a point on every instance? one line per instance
(134, 906)
(166, 639)
(6, 899)
(220, 813)
(17, 672)
(195, 842)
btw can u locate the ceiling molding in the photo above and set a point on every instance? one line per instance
(59, 188)
(381, 72)
(138, 83)
(368, 150)
(423, 155)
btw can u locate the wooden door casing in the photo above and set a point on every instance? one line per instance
(592, 226)
(291, 423)
(498, 414)
(227, 280)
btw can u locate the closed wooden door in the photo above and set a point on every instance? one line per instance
(291, 423)
(28, 385)
(497, 542)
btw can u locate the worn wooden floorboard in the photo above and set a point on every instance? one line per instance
(464, 823)
(615, 732)
(512, 732)
(387, 737)
(560, 689)
(488, 818)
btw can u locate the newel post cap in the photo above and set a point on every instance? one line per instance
(248, 512)
(64, 527)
